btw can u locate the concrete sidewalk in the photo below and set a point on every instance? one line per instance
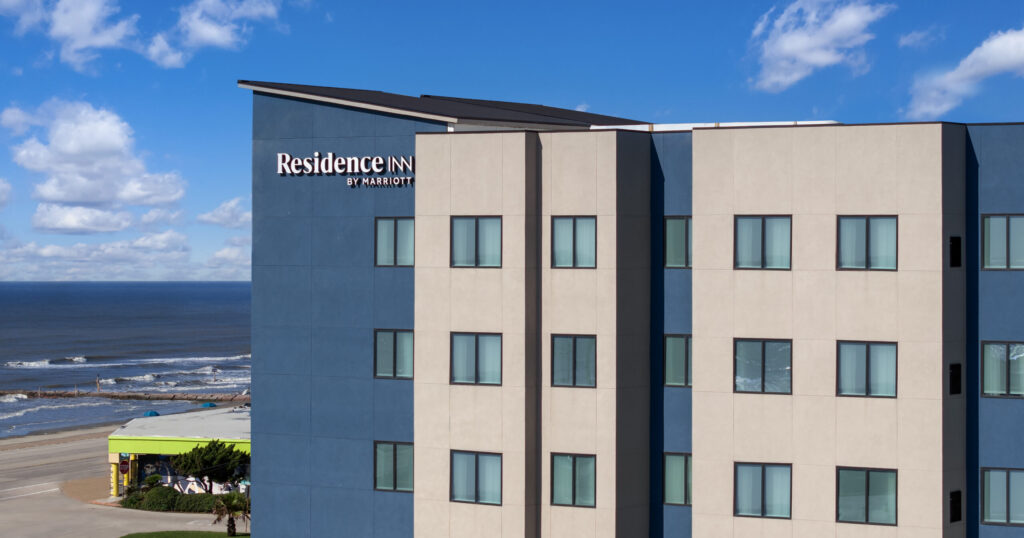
(35, 473)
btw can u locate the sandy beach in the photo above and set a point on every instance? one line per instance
(47, 481)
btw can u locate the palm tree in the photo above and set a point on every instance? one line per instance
(230, 506)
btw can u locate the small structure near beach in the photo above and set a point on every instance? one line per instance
(147, 444)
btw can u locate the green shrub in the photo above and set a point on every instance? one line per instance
(152, 481)
(132, 500)
(160, 499)
(196, 502)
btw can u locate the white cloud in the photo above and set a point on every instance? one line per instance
(163, 54)
(239, 241)
(28, 12)
(920, 39)
(16, 119)
(159, 215)
(810, 35)
(230, 214)
(79, 220)
(230, 256)
(762, 23)
(935, 94)
(82, 26)
(155, 256)
(88, 157)
(233, 261)
(5, 192)
(215, 23)
(582, 107)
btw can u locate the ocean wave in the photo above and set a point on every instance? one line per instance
(85, 362)
(45, 407)
(11, 398)
(29, 364)
(146, 378)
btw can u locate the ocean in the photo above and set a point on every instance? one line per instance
(132, 336)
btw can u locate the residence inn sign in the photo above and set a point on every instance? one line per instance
(366, 168)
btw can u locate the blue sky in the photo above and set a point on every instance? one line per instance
(124, 141)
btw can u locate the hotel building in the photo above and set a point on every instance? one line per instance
(479, 318)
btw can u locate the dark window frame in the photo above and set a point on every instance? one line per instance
(573, 485)
(394, 353)
(867, 495)
(981, 486)
(735, 244)
(867, 242)
(476, 359)
(476, 242)
(956, 499)
(575, 258)
(687, 476)
(686, 360)
(574, 338)
(867, 369)
(476, 477)
(687, 233)
(1006, 394)
(394, 466)
(763, 362)
(394, 241)
(763, 465)
(981, 249)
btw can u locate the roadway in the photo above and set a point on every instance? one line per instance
(45, 479)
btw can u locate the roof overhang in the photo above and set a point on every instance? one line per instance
(348, 103)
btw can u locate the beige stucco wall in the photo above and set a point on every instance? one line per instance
(606, 174)
(815, 174)
(475, 174)
(527, 178)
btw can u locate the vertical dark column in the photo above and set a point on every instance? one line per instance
(972, 366)
(632, 320)
(534, 374)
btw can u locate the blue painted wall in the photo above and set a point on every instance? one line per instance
(316, 299)
(995, 181)
(671, 188)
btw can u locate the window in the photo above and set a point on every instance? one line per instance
(573, 361)
(956, 511)
(1002, 242)
(476, 477)
(762, 242)
(866, 369)
(395, 242)
(476, 241)
(678, 478)
(678, 242)
(572, 480)
(678, 368)
(392, 354)
(762, 490)
(955, 251)
(1002, 496)
(955, 375)
(763, 366)
(476, 359)
(867, 243)
(866, 496)
(573, 241)
(392, 464)
(1002, 369)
